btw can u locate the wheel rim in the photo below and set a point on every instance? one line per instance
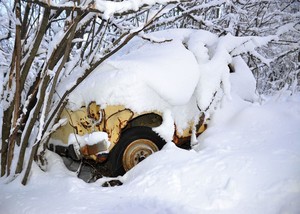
(137, 151)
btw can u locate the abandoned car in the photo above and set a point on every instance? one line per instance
(154, 90)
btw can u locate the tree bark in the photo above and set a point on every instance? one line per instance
(31, 121)
(7, 117)
(35, 48)
(17, 98)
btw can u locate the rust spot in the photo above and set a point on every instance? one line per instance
(84, 150)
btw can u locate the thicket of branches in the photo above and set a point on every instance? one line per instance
(276, 65)
(44, 44)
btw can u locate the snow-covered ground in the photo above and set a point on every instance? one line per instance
(248, 161)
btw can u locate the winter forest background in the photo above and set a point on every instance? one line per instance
(44, 42)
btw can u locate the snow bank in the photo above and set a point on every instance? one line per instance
(246, 162)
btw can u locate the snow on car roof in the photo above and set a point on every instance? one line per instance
(143, 75)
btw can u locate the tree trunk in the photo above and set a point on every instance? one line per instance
(7, 117)
(17, 98)
(31, 121)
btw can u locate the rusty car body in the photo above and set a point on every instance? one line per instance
(130, 137)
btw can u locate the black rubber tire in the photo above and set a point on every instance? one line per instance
(129, 136)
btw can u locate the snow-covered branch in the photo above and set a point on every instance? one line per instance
(104, 9)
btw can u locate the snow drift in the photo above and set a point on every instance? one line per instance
(246, 162)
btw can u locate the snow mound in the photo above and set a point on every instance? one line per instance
(242, 77)
(143, 77)
(247, 161)
(154, 65)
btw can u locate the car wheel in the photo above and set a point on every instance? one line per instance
(134, 146)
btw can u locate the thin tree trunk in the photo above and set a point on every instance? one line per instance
(7, 117)
(31, 121)
(64, 60)
(35, 48)
(17, 98)
(67, 52)
(32, 155)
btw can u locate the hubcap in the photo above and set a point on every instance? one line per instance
(137, 151)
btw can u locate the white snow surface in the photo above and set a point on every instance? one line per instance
(242, 80)
(143, 76)
(247, 161)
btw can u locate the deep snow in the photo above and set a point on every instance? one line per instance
(247, 161)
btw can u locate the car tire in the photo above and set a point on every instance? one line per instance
(135, 145)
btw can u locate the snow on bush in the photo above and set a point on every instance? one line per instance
(242, 80)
